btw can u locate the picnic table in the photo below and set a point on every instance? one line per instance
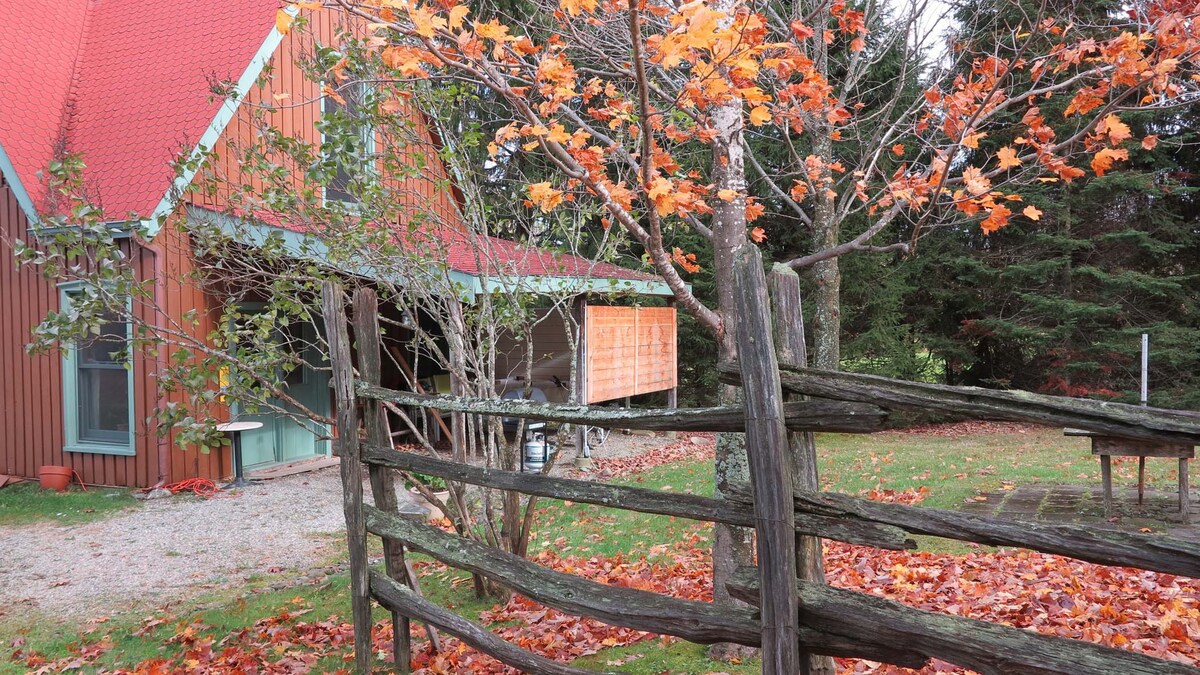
(1106, 446)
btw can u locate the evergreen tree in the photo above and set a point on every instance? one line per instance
(1059, 305)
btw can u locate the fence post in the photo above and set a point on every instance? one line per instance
(770, 468)
(369, 346)
(783, 286)
(347, 449)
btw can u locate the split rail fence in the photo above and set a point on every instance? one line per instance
(792, 622)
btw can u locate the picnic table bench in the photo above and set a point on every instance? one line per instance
(1106, 446)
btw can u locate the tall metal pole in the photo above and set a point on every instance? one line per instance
(1145, 368)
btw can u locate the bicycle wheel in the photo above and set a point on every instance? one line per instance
(596, 436)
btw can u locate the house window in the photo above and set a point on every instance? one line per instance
(98, 389)
(355, 140)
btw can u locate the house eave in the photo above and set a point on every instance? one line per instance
(229, 107)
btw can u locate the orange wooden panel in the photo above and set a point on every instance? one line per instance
(629, 351)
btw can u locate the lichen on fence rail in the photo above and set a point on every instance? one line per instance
(849, 418)
(1116, 419)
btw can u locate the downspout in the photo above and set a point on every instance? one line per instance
(160, 358)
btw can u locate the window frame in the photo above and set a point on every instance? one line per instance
(366, 136)
(72, 422)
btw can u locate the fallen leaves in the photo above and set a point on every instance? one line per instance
(689, 449)
(1152, 613)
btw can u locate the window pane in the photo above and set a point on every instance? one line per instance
(104, 404)
(339, 188)
(101, 348)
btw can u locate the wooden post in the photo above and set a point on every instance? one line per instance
(1141, 481)
(368, 344)
(673, 392)
(347, 449)
(770, 468)
(1185, 505)
(581, 374)
(783, 285)
(1106, 479)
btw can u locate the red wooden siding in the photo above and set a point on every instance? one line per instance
(31, 407)
(629, 351)
(182, 293)
(31, 389)
(299, 108)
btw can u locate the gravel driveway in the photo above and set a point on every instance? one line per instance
(170, 548)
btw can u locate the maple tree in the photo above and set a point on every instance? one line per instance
(650, 112)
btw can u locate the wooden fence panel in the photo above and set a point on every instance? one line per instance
(825, 620)
(629, 351)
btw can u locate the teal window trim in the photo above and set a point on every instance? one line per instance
(116, 230)
(71, 402)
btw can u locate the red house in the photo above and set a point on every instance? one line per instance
(127, 85)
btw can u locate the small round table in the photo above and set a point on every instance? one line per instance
(235, 429)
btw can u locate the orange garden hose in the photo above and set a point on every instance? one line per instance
(201, 486)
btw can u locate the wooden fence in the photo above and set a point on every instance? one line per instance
(802, 616)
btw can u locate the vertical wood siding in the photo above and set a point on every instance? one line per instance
(429, 195)
(630, 351)
(31, 389)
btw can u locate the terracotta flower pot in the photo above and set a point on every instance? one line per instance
(54, 477)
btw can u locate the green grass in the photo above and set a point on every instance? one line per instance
(955, 470)
(26, 503)
(958, 468)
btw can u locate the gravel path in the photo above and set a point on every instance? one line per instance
(170, 549)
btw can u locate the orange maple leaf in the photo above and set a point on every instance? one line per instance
(760, 116)
(577, 7)
(545, 196)
(997, 218)
(1104, 159)
(1032, 212)
(1117, 130)
(457, 14)
(977, 183)
(1149, 142)
(898, 149)
(1008, 158)
(758, 235)
(972, 140)
(685, 260)
(661, 192)
(283, 21)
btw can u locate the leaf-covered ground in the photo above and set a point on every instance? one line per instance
(1157, 614)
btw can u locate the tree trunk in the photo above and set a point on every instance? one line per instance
(827, 315)
(731, 545)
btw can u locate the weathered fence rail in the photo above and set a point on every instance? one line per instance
(821, 620)
(1115, 419)
(834, 416)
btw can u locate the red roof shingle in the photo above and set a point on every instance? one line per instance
(477, 254)
(125, 84)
